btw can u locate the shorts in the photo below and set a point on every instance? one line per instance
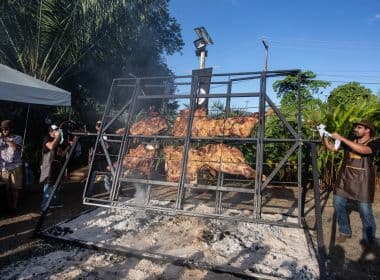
(13, 178)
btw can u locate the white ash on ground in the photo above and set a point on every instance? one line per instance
(257, 248)
(87, 264)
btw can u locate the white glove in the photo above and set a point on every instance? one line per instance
(323, 133)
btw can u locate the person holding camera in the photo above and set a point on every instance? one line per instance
(11, 163)
(54, 151)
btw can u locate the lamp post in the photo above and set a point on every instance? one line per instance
(204, 74)
(266, 46)
(200, 44)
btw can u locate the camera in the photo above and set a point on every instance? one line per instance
(66, 131)
(98, 124)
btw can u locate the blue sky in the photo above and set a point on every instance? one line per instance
(338, 40)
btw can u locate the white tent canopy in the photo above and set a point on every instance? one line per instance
(19, 87)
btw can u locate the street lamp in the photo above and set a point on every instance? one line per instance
(201, 43)
(266, 46)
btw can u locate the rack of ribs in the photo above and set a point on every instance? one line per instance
(140, 159)
(214, 157)
(152, 125)
(205, 127)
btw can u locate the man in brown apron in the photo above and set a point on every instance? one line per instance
(356, 181)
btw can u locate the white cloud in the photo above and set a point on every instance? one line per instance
(376, 17)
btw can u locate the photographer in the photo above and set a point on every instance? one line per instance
(11, 163)
(54, 150)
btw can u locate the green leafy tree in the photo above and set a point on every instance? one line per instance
(344, 107)
(287, 89)
(54, 39)
(309, 88)
(81, 45)
(350, 94)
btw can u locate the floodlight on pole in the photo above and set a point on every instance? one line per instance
(202, 33)
(201, 43)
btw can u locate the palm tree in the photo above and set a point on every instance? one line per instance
(50, 39)
(81, 45)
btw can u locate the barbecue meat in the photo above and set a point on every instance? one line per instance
(172, 156)
(227, 159)
(214, 157)
(140, 159)
(152, 125)
(205, 127)
(173, 161)
(180, 124)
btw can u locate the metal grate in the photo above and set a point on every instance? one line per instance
(129, 97)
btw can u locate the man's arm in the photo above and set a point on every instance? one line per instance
(53, 144)
(329, 145)
(356, 147)
(62, 152)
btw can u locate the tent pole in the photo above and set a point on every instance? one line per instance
(26, 126)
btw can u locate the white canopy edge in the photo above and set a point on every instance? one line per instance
(19, 87)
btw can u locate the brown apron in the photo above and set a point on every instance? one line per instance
(357, 177)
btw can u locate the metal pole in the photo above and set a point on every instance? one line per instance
(260, 149)
(266, 46)
(186, 146)
(202, 59)
(125, 142)
(318, 212)
(299, 157)
(104, 127)
(26, 126)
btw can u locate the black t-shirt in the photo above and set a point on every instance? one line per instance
(374, 144)
(375, 147)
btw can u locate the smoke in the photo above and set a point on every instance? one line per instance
(141, 194)
(141, 199)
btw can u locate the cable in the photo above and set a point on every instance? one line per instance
(345, 43)
(364, 83)
(347, 76)
(349, 71)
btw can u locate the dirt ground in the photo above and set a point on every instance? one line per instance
(344, 261)
(349, 260)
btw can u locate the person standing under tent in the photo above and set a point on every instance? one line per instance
(53, 155)
(356, 181)
(11, 163)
